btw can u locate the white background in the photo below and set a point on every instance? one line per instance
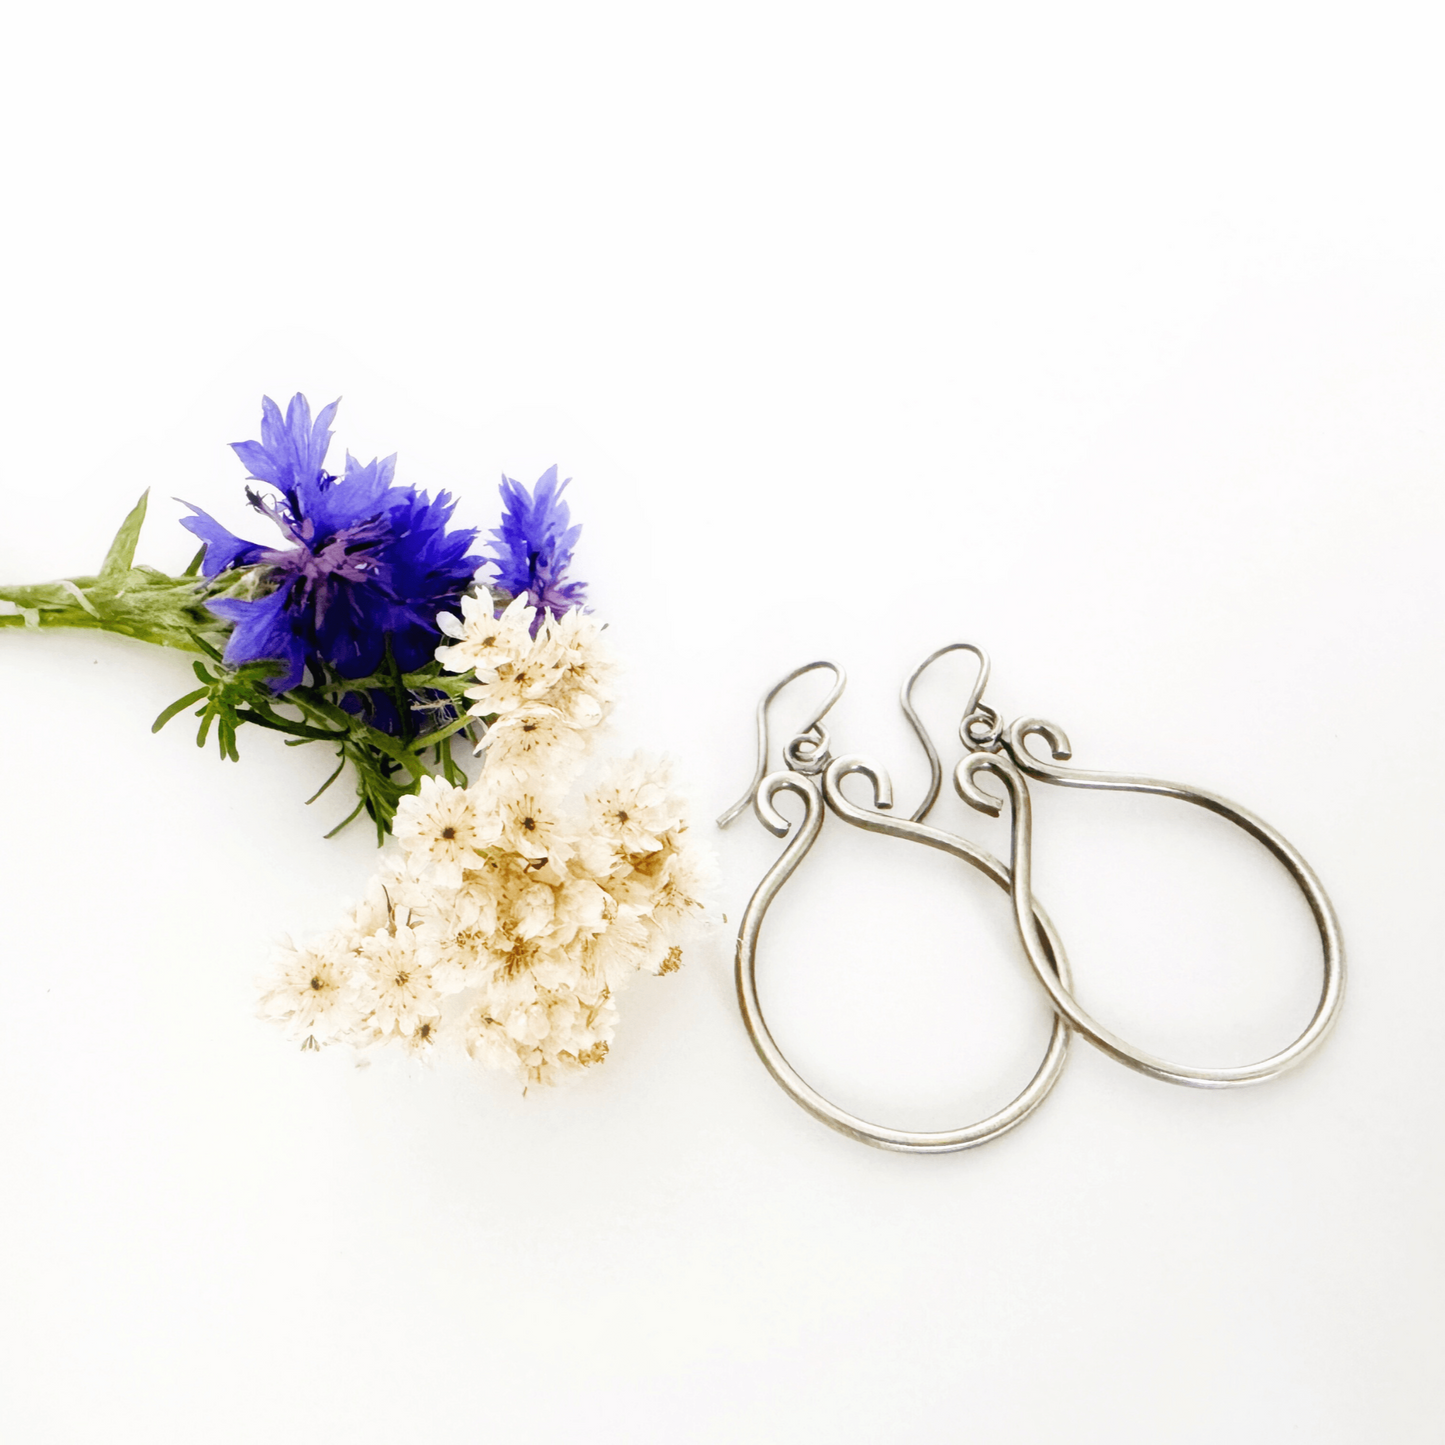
(1110, 337)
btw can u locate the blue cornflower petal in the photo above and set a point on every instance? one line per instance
(532, 549)
(223, 547)
(292, 451)
(263, 630)
(426, 564)
(361, 493)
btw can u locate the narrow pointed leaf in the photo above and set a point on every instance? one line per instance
(179, 705)
(121, 556)
(328, 782)
(346, 819)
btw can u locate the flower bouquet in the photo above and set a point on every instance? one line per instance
(510, 909)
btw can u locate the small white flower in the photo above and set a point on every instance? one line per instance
(532, 911)
(375, 908)
(628, 815)
(312, 989)
(530, 827)
(534, 745)
(459, 929)
(526, 675)
(585, 666)
(668, 884)
(396, 981)
(581, 907)
(558, 970)
(484, 640)
(497, 693)
(633, 807)
(487, 1040)
(529, 964)
(629, 943)
(541, 1035)
(528, 1024)
(442, 830)
(392, 892)
(421, 1042)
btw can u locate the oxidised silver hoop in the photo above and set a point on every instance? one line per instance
(1011, 765)
(788, 1078)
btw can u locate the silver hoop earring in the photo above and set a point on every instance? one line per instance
(1003, 751)
(807, 756)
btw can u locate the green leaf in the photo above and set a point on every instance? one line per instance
(339, 767)
(299, 731)
(346, 819)
(179, 705)
(119, 559)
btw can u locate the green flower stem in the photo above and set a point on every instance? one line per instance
(146, 605)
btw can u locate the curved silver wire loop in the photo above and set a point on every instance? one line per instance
(903, 1140)
(970, 712)
(1011, 767)
(807, 752)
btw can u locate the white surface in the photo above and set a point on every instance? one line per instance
(1113, 339)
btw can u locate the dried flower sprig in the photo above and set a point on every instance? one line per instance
(512, 912)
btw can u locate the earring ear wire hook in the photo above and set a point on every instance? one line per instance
(973, 711)
(811, 733)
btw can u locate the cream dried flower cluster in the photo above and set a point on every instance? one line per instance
(505, 925)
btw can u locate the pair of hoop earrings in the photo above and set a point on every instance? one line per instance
(1002, 751)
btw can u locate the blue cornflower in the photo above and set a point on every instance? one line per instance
(362, 561)
(533, 546)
